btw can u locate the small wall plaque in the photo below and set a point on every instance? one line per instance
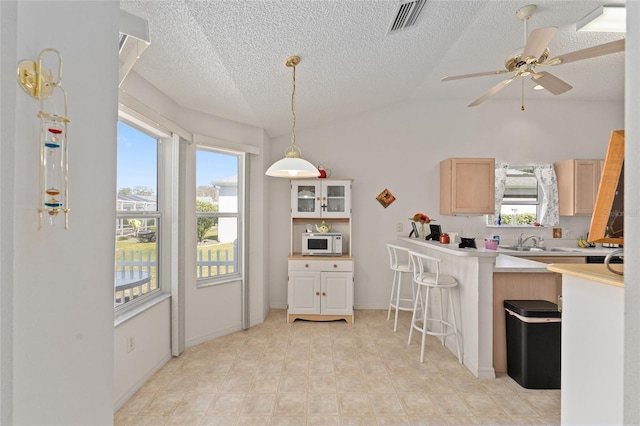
(385, 198)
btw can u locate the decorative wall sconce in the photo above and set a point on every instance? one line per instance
(39, 83)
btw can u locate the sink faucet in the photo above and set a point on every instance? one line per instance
(534, 238)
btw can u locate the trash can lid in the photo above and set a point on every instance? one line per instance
(533, 308)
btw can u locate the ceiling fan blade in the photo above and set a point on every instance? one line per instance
(478, 74)
(537, 42)
(589, 52)
(495, 89)
(551, 83)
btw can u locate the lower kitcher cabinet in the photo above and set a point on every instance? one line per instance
(320, 290)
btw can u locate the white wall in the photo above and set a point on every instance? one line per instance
(152, 336)
(399, 147)
(8, 58)
(61, 281)
(632, 221)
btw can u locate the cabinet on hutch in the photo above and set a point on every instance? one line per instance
(320, 288)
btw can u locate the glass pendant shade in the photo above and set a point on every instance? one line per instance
(293, 168)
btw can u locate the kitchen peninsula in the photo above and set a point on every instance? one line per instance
(592, 344)
(486, 278)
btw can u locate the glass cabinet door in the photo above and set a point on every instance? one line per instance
(329, 199)
(336, 200)
(305, 199)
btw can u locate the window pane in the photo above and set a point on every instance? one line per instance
(137, 177)
(217, 179)
(216, 259)
(521, 187)
(217, 214)
(136, 233)
(136, 258)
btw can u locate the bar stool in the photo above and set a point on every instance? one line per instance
(399, 263)
(427, 281)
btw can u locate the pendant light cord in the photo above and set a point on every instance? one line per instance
(293, 108)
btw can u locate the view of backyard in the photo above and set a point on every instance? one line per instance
(140, 254)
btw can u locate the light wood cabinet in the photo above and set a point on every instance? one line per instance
(578, 182)
(467, 186)
(320, 290)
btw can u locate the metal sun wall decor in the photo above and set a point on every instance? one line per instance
(38, 82)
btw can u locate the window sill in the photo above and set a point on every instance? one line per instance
(513, 226)
(229, 280)
(123, 317)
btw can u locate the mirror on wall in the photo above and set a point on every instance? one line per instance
(607, 222)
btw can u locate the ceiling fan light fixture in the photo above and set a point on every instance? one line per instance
(612, 19)
(293, 166)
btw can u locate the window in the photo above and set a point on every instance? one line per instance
(219, 196)
(137, 216)
(521, 197)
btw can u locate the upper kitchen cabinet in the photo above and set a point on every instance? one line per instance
(578, 182)
(325, 198)
(467, 186)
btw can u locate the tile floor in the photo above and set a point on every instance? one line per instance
(329, 373)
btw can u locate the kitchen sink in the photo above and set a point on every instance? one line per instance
(539, 249)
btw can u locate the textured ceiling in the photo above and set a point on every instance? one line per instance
(227, 57)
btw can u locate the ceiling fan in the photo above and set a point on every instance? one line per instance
(524, 61)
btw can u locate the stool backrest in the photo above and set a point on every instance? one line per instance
(398, 256)
(421, 264)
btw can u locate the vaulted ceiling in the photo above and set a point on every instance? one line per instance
(227, 58)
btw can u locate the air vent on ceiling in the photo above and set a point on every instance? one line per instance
(406, 15)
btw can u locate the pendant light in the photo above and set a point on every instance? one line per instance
(293, 166)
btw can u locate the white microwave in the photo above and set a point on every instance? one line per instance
(321, 244)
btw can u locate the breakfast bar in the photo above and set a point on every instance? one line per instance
(486, 278)
(473, 269)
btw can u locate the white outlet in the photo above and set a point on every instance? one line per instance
(131, 344)
(399, 227)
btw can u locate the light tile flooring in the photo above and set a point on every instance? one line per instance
(329, 373)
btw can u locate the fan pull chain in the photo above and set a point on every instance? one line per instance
(522, 106)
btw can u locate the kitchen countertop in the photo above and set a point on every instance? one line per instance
(511, 264)
(452, 248)
(593, 272)
(559, 252)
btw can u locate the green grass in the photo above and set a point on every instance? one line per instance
(149, 251)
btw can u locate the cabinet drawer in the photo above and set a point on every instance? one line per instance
(321, 265)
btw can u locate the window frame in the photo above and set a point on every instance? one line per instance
(163, 227)
(237, 275)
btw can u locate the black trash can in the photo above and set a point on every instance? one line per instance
(533, 343)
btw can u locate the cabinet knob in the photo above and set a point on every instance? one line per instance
(324, 293)
(317, 293)
(306, 265)
(335, 266)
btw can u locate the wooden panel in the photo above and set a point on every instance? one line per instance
(609, 209)
(516, 286)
